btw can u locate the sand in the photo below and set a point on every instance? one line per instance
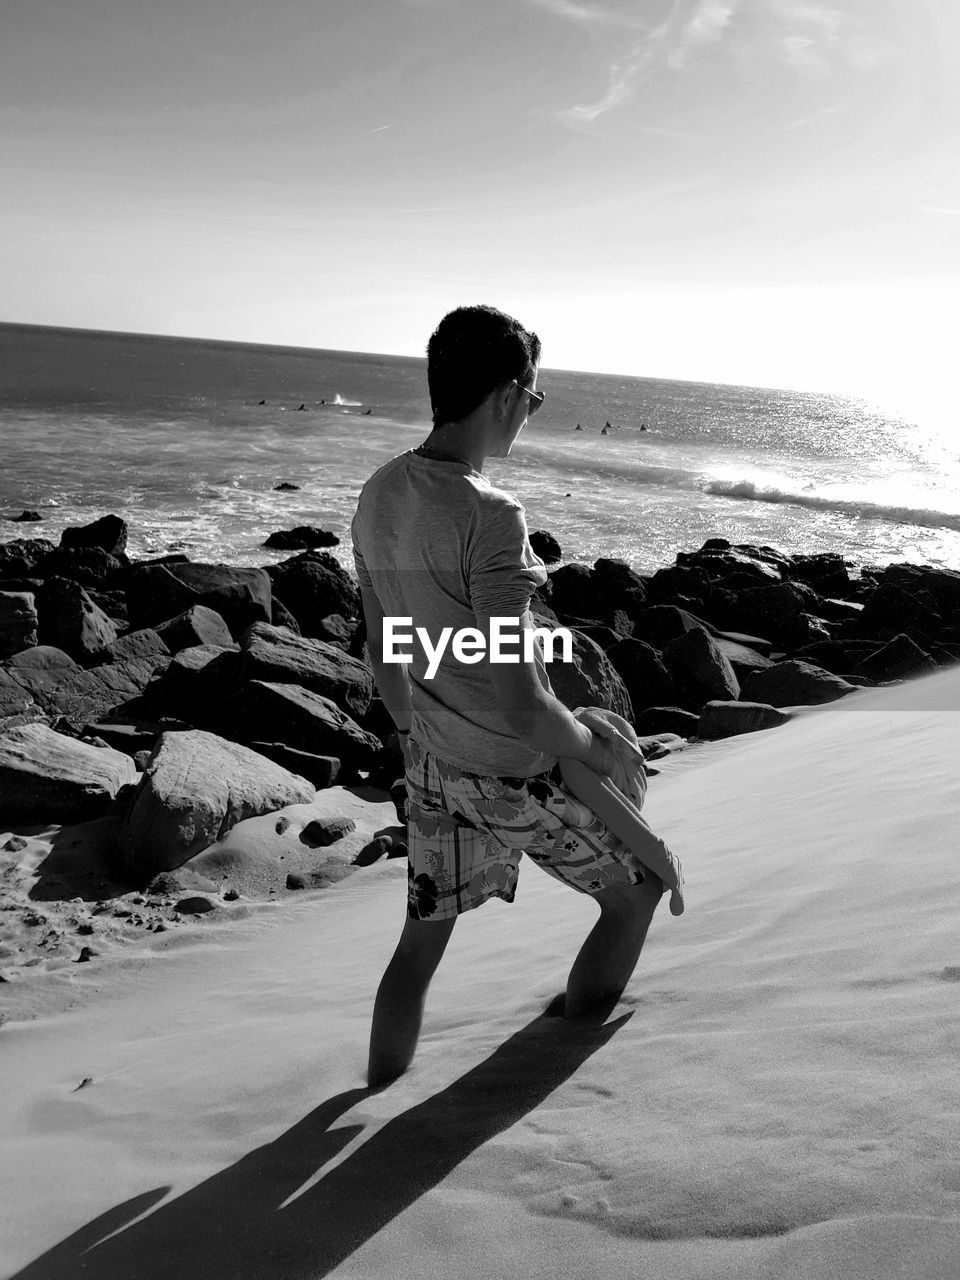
(776, 1095)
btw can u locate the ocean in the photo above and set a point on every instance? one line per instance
(186, 439)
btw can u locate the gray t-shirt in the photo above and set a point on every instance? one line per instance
(436, 542)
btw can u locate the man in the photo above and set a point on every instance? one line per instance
(435, 542)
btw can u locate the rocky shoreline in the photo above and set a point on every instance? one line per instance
(200, 737)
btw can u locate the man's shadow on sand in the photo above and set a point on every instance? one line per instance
(232, 1226)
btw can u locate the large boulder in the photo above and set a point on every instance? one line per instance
(196, 786)
(141, 646)
(158, 593)
(47, 777)
(69, 620)
(108, 533)
(269, 712)
(196, 625)
(19, 559)
(546, 546)
(18, 622)
(661, 623)
(742, 658)
(656, 720)
(794, 684)
(579, 591)
(699, 667)
(778, 612)
(943, 585)
(723, 719)
(90, 566)
(825, 571)
(63, 689)
(278, 656)
(891, 610)
(646, 679)
(899, 659)
(17, 704)
(312, 586)
(590, 679)
(300, 538)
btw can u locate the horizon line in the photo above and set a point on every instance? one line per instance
(395, 355)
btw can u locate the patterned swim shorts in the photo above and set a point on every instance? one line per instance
(466, 833)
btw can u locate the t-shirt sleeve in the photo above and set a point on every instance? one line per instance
(363, 573)
(504, 570)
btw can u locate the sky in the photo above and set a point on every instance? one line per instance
(763, 192)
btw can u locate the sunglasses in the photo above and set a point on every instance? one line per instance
(536, 398)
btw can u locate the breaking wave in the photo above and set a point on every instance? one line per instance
(860, 508)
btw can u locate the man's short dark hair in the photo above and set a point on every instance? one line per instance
(472, 351)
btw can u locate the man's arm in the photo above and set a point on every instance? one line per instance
(391, 678)
(536, 716)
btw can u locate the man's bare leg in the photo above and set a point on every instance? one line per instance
(398, 1009)
(610, 953)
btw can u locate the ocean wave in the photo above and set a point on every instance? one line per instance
(750, 491)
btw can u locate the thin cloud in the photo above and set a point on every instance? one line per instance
(669, 44)
(592, 15)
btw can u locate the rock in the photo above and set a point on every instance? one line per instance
(601, 635)
(194, 906)
(890, 610)
(197, 685)
(196, 625)
(678, 580)
(794, 684)
(296, 881)
(590, 680)
(275, 655)
(47, 777)
(646, 679)
(27, 516)
(304, 535)
(62, 689)
(16, 844)
(159, 593)
(757, 643)
(302, 719)
(69, 620)
(88, 566)
(313, 585)
(580, 592)
(280, 616)
(19, 558)
(838, 656)
(137, 646)
(776, 611)
(326, 831)
(661, 623)
(322, 771)
(337, 631)
(195, 788)
(700, 668)
(741, 657)
(943, 585)
(656, 720)
(131, 739)
(109, 533)
(17, 705)
(826, 572)
(18, 622)
(899, 659)
(724, 719)
(285, 487)
(545, 546)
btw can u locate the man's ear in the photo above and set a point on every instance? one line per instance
(501, 400)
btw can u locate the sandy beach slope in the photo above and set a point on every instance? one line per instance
(777, 1094)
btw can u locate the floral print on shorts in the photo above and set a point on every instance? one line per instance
(466, 833)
